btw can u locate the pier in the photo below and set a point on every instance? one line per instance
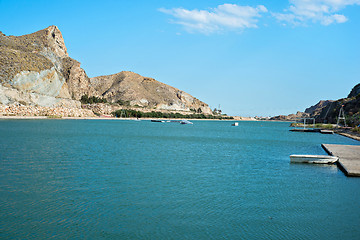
(349, 157)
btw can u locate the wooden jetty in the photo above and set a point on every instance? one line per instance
(349, 157)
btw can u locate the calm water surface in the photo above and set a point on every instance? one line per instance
(102, 179)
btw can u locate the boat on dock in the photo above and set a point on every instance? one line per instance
(318, 159)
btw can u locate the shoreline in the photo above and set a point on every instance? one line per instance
(349, 135)
(342, 133)
(113, 118)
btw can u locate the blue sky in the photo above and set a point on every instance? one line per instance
(254, 58)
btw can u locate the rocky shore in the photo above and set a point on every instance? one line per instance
(86, 110)
(33, 111)
(348, 133)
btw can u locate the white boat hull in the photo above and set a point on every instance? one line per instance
(319, 159)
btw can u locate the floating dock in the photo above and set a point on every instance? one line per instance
(349, 157)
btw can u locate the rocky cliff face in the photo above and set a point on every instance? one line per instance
(328, 111)
(317, 108)
(146, 92)
(36, 69)
(37, 65)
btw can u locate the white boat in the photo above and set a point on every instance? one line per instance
(324, 159)
(235, 124)
(185, 122)
(324, 131)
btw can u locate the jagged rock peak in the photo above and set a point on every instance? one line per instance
(49, 38)
(39, 63)
(55, 40)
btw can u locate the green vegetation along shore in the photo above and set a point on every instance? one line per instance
(128, 113)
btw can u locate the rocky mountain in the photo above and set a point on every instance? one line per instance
(328, 111)
(36, 69)
(146, 92)
(317, 108)
(290, 117)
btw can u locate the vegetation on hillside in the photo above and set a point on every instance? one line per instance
(153, 114)
(317, 125)
(85, 100)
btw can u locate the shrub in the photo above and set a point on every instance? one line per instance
(85, 99)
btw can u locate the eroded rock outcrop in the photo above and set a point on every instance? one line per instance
(39, 63)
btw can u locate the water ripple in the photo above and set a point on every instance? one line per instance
(138, 180)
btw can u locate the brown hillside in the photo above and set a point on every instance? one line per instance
(146, 92)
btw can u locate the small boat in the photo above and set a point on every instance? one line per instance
(324, 131)
(185, 122)
(321, 159)
(235, 124)
(154, 120)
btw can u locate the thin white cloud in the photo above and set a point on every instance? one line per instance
(323, 11)
(222, 18)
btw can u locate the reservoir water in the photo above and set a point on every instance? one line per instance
(104, 179)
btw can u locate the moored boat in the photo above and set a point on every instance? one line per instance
(325, 131)
(185, 122)
(320, 159)
(155, 120)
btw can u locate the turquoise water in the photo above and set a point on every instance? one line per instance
(102, 179)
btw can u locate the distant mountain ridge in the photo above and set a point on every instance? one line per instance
(327, 111)
(36, 69)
